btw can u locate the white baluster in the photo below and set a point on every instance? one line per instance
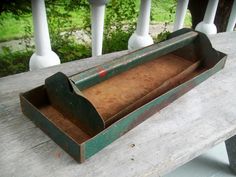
(207, 26)
(181, 10)
(44, 56)
(97, 18)
(141, 38)
(232, 18)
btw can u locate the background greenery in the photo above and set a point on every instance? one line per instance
(12, 28)
(68, 16)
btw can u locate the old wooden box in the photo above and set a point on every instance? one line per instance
(85, 112)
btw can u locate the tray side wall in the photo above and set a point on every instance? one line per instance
(57, 135)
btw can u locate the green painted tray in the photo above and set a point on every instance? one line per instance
(85, 112)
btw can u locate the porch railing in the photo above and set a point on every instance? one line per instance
(44, 56)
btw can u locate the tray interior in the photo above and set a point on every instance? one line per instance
(125, 92)
(64, 123)
(120, 93)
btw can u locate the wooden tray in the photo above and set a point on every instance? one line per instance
(89, 110)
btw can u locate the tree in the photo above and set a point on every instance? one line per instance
(198, 7)
(16, 7)
(19, 7)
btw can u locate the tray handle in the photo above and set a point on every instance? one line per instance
(68, 99)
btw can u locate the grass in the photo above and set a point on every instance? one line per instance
(161, 11)
(164, 11)
(12, 28)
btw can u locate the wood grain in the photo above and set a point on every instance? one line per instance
(197, 121)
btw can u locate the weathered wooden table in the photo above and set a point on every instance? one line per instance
(194, 123)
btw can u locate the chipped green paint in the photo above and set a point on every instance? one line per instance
(125, 124)
(93, 76)
(68, 144)
(211, 59)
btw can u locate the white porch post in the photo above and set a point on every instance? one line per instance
(141, 38)
(181, 10)
(44, 56)
(207, 26)
(232, 18)
(97, 18)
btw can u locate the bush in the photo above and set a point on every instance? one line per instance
(14, 62)
(120, 23)
(66, 46)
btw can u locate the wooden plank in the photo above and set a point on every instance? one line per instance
(188, 127)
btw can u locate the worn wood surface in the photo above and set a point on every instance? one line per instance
(194, 123)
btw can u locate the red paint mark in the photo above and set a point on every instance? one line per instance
(58, 155)
(102, 72)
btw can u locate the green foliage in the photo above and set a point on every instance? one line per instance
(16, 7)
(12, 28)
(19, 7)
(161, 10)
(164, 34)
(161, 36)
(120, 22)
(65, 45)
(72, 51)
(59, 19)
(13, 62)
(116, 41)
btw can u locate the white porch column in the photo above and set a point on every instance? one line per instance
(181, 10)
(141, 38)
(44, 56)
(232, 18)
(97, 18)
(207, 26)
